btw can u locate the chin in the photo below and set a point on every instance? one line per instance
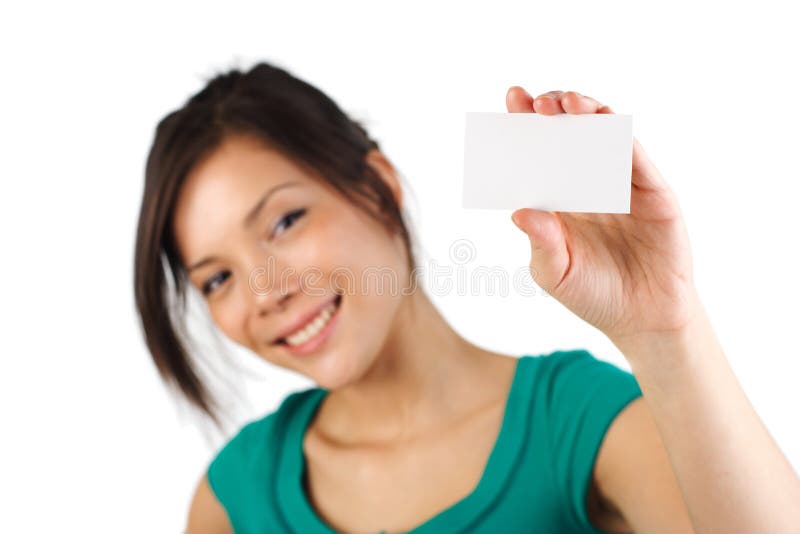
(340, 369)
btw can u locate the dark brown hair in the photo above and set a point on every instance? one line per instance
(287, 114)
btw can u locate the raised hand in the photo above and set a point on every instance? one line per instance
(626, 274)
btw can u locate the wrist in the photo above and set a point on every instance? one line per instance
(675, 346)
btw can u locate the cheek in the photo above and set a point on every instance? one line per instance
(229, 317)
(373, 273)
(349, 242)
(360, 241)
(355, 255)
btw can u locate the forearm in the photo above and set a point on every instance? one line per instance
(732, 474)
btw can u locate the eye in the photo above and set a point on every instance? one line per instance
(208, 285)
(289, 219)
(286, 221)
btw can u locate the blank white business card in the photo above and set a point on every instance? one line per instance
(564, 162)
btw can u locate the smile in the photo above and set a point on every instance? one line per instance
(308, 332)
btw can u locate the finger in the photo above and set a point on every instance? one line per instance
(576, 103)
(550, 256)
(644, 174)
(518, 100)
(549, 103)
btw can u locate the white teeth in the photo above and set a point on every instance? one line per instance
(313, 327)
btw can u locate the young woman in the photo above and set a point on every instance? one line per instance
(263, 196)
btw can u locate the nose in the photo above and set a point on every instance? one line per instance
(269, 303)
(267, 291)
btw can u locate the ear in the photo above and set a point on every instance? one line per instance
(378, 161)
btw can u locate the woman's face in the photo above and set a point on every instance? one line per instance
(262, 270)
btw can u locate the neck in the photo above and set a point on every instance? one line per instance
(419, 380)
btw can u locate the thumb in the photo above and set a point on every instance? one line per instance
(549, 254)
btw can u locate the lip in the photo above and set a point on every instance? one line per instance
(302, 320)
(318, 341)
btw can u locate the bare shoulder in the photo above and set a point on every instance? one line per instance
(633, 486)
(206, 514)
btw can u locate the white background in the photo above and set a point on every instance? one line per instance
(92, 440)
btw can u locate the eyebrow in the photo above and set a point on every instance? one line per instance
(251, 216)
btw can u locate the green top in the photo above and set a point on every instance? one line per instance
(536, 478)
